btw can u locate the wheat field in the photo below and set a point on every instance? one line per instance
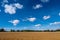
(29, 35)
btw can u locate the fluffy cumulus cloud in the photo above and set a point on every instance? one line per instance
(59, 13)
(37, 6)
(37, 25)
(0, 10)
(46, 17)
(11, 9)
(55, 23)
(14, 22)
(45, 0)
(5, 1)
(31, 19)
(19, 6)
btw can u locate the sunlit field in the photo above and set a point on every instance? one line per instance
(29, 35)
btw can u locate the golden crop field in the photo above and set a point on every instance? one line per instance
(29, 35)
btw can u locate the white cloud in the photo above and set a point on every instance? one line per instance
(37, 25)
(59, 13)
(14, 22)
(31, 19)
(10, 9)
(46, 17)
(37, 6)
(54, 23)
(44, 0)
(5, 1)
(19, 6)
(0, 10)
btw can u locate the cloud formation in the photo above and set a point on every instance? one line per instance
(37, 25)
(37, 6)
(19, 6)
(14, 22)
(31, 19)
(11, 9)
(5, 1)
(44, 0)
(46, 17)
(59, 13)
(0, 10)
(54, 23)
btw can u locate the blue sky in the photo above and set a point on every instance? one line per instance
(30, 14)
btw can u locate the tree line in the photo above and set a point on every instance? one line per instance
(3, 30)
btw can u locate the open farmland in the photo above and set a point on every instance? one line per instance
(29, 35)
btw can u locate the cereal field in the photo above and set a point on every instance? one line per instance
(29, 35)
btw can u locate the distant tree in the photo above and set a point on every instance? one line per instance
(46, 30)
(12, 30)
(26, 30)
(31, 31)
(58, 30)
(2, 30)
(18, 31)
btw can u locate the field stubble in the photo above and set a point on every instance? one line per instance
(29, 35)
